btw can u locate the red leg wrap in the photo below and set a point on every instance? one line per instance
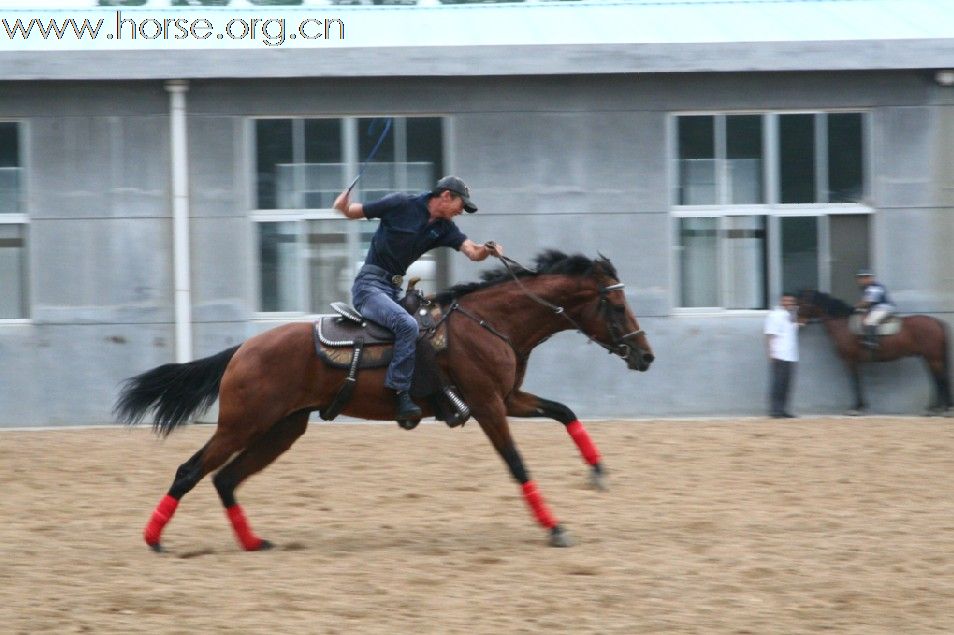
(540, 509)
(162, 514)
(583, 442)
(248, 540)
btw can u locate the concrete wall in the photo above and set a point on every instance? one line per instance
(574, 162)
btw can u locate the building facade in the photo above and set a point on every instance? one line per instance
(164, 206)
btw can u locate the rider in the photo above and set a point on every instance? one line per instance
(874, 303)
(409, 227)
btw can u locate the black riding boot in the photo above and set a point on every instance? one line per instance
(871, 337)
(408, 415)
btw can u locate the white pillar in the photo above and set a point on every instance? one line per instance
(179, 154)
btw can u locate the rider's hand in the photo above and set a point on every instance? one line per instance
(341, 203)
(493, 248)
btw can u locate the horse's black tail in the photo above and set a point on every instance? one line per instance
(175, 390)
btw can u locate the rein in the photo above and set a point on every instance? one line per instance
(619, 346)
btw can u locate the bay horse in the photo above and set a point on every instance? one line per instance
(268, 385)
(920, 336)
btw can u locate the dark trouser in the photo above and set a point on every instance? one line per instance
(782, 373)
(376, 299)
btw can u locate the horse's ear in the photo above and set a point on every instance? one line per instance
(603, 266)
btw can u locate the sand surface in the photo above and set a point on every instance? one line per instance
(749, 526)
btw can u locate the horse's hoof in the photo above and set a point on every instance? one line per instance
(854, 412)
(559, 537)
(264, 546)
(598, 480)
(157, 547)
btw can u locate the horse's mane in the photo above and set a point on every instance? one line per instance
(832, 306)
(550, 261)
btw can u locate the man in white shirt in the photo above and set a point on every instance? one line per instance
(781, 335)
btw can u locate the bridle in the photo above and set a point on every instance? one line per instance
(619, 344)
(618, 336)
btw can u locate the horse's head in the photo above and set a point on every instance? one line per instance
(808, 306)
(817, 305)
(610, 321)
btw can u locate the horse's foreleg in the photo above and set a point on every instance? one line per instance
(855, 373)
(524, 404)
(259, 454)
(498, 432)
(187, 476)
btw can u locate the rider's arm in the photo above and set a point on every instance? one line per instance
(346, 207)
(479, 252)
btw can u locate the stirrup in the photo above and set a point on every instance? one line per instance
(461, 411)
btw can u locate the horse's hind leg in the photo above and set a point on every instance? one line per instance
(187, 476)
(524, 404)
(942, 388)
(213, 454)
(259, 454)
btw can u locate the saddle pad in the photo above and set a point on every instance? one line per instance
(891, 326)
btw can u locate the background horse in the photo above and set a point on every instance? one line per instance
(267, 386)
(920, 335)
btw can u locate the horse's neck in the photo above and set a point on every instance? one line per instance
(524, 319)
(837, 328)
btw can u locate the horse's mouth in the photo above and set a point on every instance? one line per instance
(640, 361)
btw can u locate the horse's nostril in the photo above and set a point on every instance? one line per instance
(649, 358)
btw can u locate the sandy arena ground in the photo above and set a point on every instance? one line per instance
(749, 526)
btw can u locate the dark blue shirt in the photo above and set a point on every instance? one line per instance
(405, 234)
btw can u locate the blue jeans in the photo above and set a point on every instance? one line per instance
(376, 298)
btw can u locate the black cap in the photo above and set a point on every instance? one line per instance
(458, 187)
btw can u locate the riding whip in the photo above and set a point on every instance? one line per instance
(374, 150)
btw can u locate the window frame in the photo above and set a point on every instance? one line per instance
(22, 218)
(303, 216)
(772, 209)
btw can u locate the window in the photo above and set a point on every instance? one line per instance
(723, 262)
(13, 226)
(720, 160)
(10, 199)
(308, 254)
(766, 203)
